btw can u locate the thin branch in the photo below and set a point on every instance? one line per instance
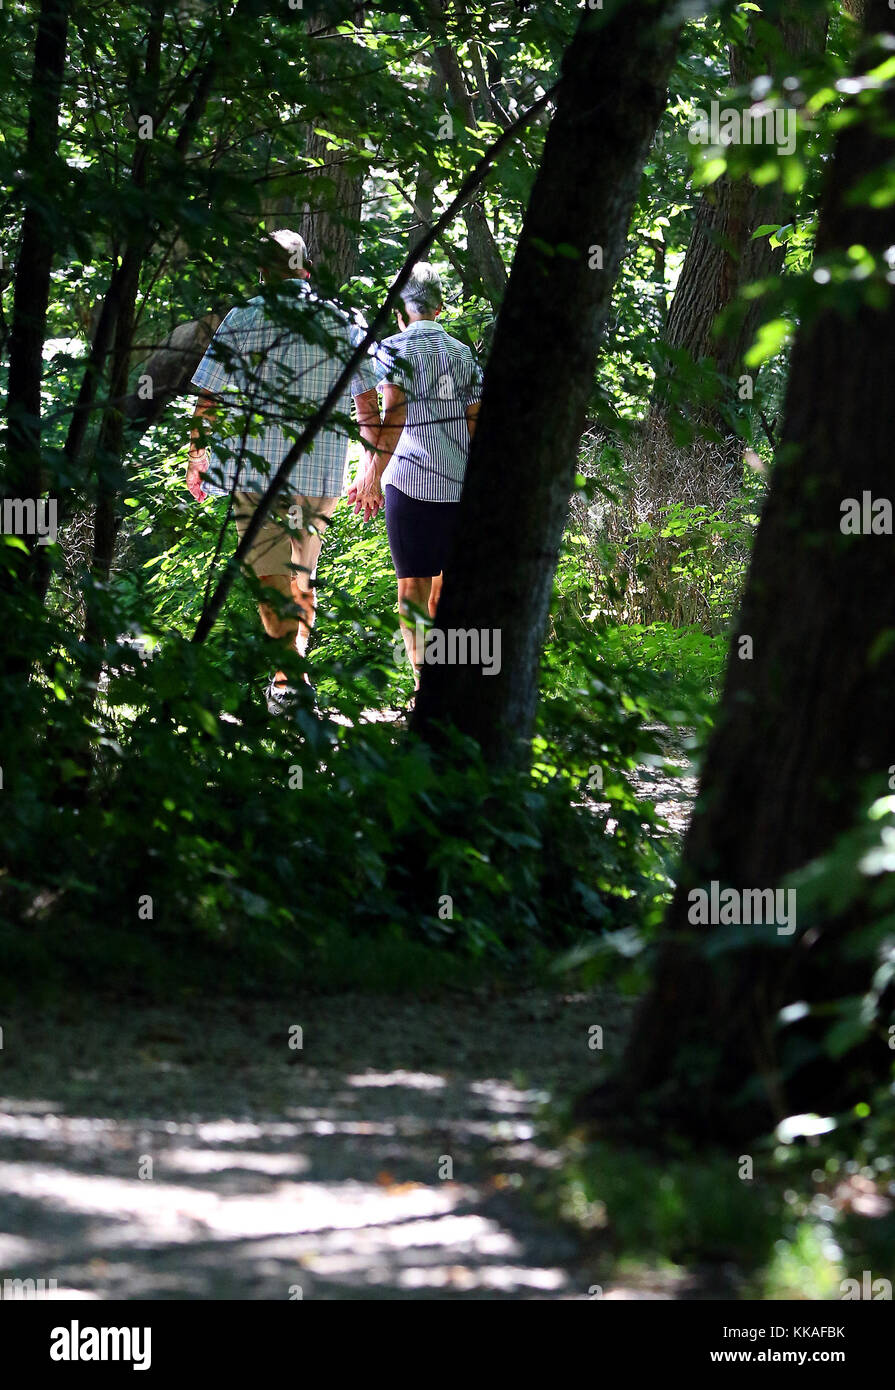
(768, 429)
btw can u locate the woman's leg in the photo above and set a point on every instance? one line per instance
(418, 535)
(413, 594)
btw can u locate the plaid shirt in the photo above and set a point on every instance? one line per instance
(271, 364)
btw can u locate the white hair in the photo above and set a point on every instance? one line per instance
(284, 250)
(422, 293)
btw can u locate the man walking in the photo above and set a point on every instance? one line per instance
(267, 369)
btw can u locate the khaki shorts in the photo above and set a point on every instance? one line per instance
(275, 551)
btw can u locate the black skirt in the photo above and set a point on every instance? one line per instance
(420, 534)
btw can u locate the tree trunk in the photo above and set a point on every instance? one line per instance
(722, 256)
(807, 725)
(168, 372)
(424, 197)
(22, 475)
(330, 218)
(485, 271)
(110, 449)
(690, 450)
(540, 375)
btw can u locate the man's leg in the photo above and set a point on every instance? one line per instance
(308, 519)
(279, 624)
(414, 592)
(270, 558)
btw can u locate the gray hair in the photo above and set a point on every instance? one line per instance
(422, 293)
(284, 251)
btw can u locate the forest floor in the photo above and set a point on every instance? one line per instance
(188, 1151)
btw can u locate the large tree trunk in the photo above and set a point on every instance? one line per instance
(109, 456)
(110, 447)
(540, 375)
(330, 217)
(23, 467)
(807, 725)
(168, 372)
(424, 197)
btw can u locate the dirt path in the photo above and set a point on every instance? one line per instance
(388, 1157)
(192, 1152)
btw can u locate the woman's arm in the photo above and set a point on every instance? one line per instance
(367, 493)
(394, 415)
(366, 407)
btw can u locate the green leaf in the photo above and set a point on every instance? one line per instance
(771, 337)
(882, 643)
(206, 720)
(709, 171)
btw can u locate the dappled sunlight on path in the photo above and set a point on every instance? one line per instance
(189, 1153)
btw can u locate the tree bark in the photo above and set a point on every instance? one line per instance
(330, 218)
(31, 292)
(807, 725)
(169, 371)
(540, 374)
(722, 256)
(109, 454)
(486, 272)
(424, 198)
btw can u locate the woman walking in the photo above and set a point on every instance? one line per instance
(431, 385)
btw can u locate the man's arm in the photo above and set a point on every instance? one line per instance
(221, 368)
(472, 415)
(204, 417)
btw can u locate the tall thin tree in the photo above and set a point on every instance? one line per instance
(540, 374)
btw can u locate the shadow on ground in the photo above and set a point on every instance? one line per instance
(191, 1152)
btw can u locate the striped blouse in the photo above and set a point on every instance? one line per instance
(440, 378)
